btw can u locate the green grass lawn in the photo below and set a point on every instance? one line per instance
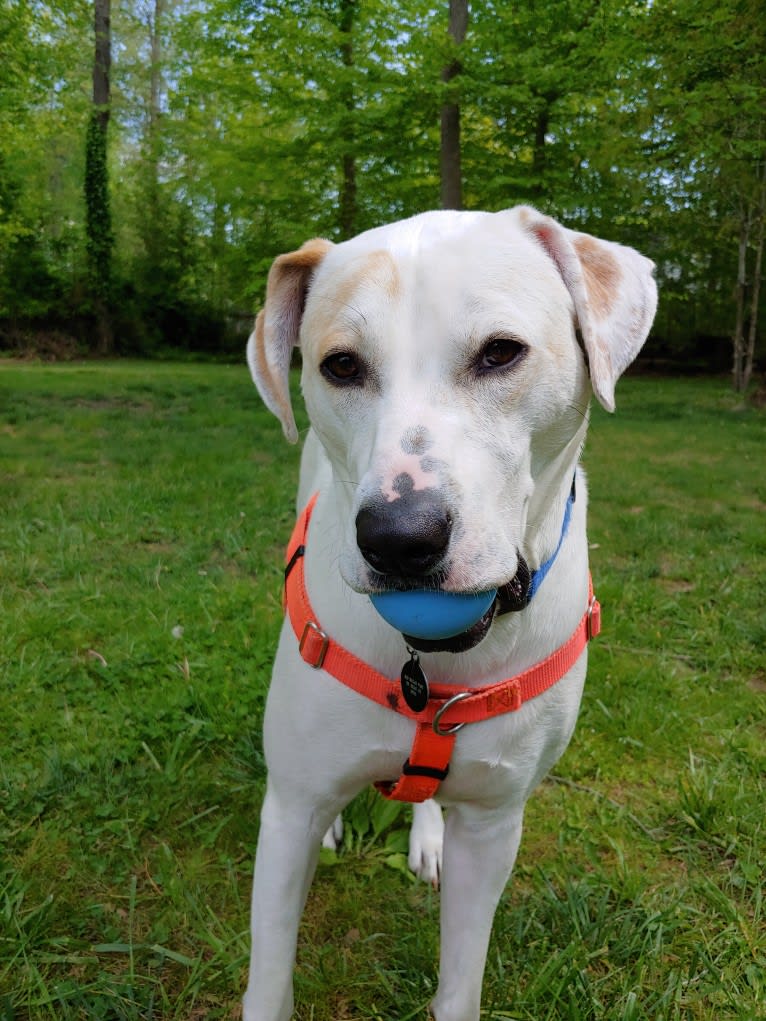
(144, 511)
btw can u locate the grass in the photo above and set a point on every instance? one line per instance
(144, 510)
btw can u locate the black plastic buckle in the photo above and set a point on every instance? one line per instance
(430, 771)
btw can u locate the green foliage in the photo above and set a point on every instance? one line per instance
(236, 128)
(146, 506)
(42, 125)
(706, 95)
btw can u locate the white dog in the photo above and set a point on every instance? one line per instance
(448, 363)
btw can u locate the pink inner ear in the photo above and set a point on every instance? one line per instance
(557, 246)
(545, 236)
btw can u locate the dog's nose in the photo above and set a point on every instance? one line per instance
(407, 537)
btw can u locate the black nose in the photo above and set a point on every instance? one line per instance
(407, 537)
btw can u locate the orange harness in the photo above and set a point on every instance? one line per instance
(446, 711)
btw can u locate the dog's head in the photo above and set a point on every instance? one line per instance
(448, 362)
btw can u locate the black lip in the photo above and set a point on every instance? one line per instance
(515, 594)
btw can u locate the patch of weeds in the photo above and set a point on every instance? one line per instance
(376, 830)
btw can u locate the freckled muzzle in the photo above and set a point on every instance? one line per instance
(405, 542)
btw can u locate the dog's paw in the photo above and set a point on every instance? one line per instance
(333, 837)
(426, 840)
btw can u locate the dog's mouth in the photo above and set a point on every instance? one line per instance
(510, 598)
(457, 643)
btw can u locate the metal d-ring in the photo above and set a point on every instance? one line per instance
(446, 731)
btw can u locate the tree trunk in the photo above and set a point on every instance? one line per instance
(347, 211)
(451, 172)
(756, 289)
(153, 230)
(102, 63)
(98, 221)
(155, 83)
(738, 340)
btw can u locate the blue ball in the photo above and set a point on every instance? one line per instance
(432, 614)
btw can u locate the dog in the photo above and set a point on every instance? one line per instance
(448, 361)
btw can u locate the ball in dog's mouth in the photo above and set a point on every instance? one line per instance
(457, 643)
(433, 615)
(438, 621)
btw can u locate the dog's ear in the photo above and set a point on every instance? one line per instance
(277, 327)
(614, 295)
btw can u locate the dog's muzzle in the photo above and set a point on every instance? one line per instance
(405, 542)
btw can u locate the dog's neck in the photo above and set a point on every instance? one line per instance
(547, 505)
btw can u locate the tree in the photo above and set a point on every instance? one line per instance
(98, 220)
(347, 202)
(752, 217)
(451, 174)
(537, 90)
(710, 95)
(152, 143)
(237, 128)
(42, 76)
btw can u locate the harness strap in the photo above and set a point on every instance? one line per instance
(424, 770)
(448, 709)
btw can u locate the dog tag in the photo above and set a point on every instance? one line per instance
(414, 684)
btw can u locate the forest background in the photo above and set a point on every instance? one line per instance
(153, 162)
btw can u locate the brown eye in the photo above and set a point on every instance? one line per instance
(342, 367)
(500, 353)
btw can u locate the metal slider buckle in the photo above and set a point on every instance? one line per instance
(446, 731)
(310, 629)
(594, 618)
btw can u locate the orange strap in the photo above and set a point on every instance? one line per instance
(447, 709)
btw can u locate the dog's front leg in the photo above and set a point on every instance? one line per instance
(479, 851)
(288, 849)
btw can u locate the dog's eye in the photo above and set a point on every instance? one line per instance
(342, 367)
(500, 353)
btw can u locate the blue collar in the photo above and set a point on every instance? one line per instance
(538, 576)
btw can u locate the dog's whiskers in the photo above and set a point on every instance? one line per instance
(345, 304)
(582, 412)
